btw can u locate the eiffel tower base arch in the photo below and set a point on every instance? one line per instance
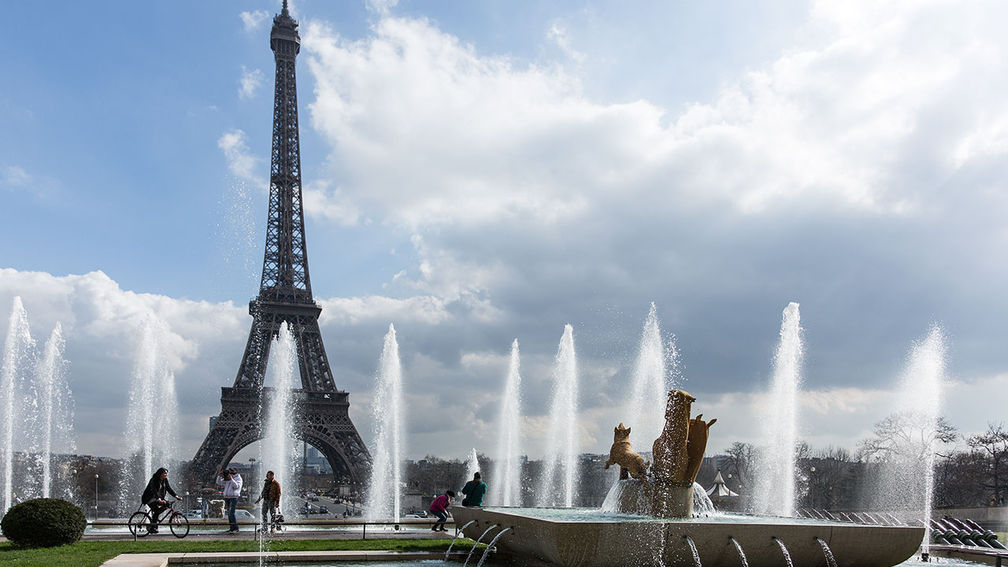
(320, 419)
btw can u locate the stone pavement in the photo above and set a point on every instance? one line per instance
(163, 559)
(290, 533)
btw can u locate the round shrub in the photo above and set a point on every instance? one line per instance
(43, 522)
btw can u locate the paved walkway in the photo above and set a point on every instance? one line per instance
(290, 533)
(163, 559)
(115, 530)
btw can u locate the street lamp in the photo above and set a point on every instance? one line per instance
(96, 497)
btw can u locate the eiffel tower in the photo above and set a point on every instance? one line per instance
(321, 416)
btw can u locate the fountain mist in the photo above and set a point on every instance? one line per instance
(17, 351)
(650, 384)
(472, 466)
(775, 481)
(507, 475)
(37, 409)
(386, 475)
(55, 406)
(562, 433)
(277, 451)
(907, 474)
(152, 426)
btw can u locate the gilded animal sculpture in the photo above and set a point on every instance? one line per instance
(696, 444)
(677, 454)
(622, 454)
(671, 460)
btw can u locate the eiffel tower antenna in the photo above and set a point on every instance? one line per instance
(321, 415)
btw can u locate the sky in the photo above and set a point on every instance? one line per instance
(480, 172)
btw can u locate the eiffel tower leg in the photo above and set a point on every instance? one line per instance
(238, 425)
(323, 420)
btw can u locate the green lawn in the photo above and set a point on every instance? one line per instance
(94, 553)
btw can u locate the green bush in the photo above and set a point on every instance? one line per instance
(43, 522)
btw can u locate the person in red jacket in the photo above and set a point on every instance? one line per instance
(439, 507)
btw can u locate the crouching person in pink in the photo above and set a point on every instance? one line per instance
(439, 507)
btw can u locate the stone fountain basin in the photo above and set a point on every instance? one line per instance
(610, 541)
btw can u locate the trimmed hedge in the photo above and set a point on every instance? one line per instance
(43, 522)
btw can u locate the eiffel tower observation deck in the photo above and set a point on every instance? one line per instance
(320, 414)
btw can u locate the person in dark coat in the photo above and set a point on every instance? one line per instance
(270, 497)
(154, 496)
(474, 491)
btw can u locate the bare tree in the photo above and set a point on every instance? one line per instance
(901, 457)
(992, 446)
(830, 479)
(959, 480)
(906, 436)
(742, 464)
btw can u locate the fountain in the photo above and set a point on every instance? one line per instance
(657, 507)
(55, 408)
(908, 472)
(472, 466)
(775, 479)
(17, 352)
(478, 540)
(37, 409)
(785, 552)
(276, 446)
(152, 427)
(562, 447)
(741, 553)
(650, 380)
(384, 493)
(490, 546)
(506, 490)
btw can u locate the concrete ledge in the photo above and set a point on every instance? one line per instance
(998, 557)
(166, 559)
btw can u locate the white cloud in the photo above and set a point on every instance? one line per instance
(354, 310)
(821, 175)
(249, 82)
(828, 123)
(241, 162)
(837, 125)
(101, 324)
(381, 7)
(330, 204)
(14, 176)
(489, 359)
(253, 21)
(558, 35)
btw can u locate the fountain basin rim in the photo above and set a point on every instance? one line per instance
(590, 543)
(615, 517)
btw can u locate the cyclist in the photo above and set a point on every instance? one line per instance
(154, 496)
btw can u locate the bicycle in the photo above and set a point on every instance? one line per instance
(141, 521)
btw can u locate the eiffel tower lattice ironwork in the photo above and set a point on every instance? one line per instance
(320, 415)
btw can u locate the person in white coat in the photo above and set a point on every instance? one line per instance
(231, 483)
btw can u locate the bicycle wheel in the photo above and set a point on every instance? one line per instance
(138, 524)
(179, 525)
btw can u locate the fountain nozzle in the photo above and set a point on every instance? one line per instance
(925, 557)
